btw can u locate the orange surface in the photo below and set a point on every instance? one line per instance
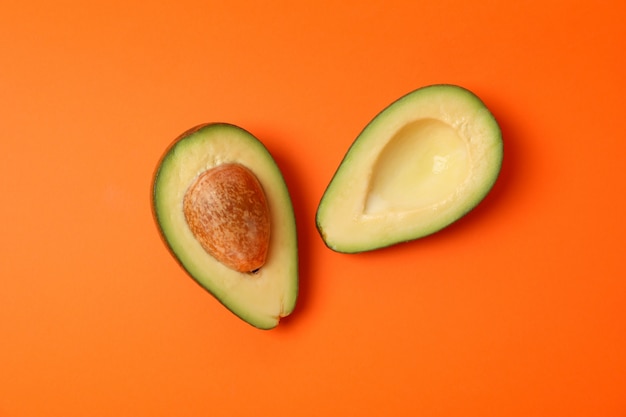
(516, 310)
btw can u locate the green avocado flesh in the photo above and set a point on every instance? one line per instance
(418, 166)
(260, 297)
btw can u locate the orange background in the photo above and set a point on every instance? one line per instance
(516, 310)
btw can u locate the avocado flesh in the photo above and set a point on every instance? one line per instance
(421, 164)
(260, 298)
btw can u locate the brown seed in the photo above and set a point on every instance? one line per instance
(227, 212)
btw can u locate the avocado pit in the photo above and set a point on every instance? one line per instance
(227, 212)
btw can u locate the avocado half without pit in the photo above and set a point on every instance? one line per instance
(224, 211)
(421, 164)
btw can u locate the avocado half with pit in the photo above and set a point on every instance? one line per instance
(421, 164)
(224, 210)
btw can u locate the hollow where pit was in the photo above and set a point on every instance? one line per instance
(421, 165)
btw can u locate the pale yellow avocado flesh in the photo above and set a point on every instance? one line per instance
(259, 298)
(421, 164)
